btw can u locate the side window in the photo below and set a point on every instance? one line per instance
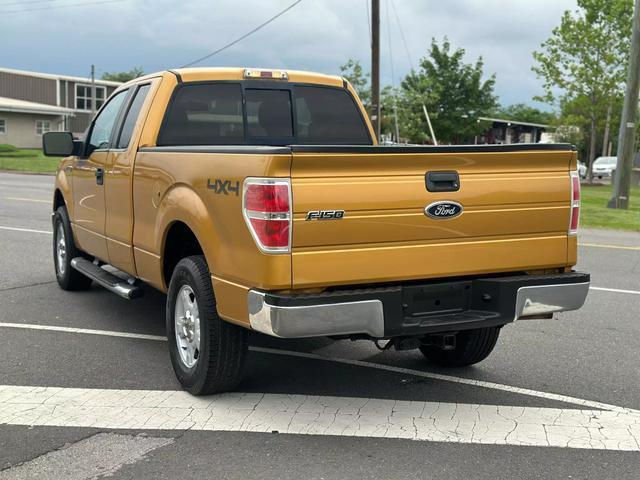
(269, 114)
(328, 116)
(204, 114)
(132, 116)
(103, 124)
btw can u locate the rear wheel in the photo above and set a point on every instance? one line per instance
(207, 353)
(472, 346)
(64, 250)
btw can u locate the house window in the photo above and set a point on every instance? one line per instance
(42, 126)
(3, 126)
(83, 96)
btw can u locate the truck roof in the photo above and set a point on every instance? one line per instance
(237, 73)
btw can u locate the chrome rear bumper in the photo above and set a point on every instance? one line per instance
(545, 299)
(321, 320)
(413, 310)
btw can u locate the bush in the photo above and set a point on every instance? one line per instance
(5, 147)
(17, 153)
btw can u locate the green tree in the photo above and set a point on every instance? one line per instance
(135, 72)
(573, 125)
(525, 113)
(353, 72)
(584, 61)
(454, 92)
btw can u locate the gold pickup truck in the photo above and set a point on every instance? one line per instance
(260, 200)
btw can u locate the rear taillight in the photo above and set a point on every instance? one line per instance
(575, 203)
(266, 206)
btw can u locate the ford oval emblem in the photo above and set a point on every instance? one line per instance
(443, 210)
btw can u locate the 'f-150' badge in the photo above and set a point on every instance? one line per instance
(443, 210)
(325, 215)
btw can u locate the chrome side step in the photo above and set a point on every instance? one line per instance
(107, 280)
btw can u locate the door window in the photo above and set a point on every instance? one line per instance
(132, 116)
(104, 123)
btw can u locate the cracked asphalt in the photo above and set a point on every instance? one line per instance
(308, 408)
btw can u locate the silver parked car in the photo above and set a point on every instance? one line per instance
(603, 166)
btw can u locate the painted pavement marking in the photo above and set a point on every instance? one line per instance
(320, 415)
(615, 290)
(360, 363)
(100, 455)
(24, 199)
(29, 230)
(601, 245)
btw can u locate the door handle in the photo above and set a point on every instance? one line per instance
(442, 181)
(99, 176)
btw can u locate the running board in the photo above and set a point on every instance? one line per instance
(107, 280)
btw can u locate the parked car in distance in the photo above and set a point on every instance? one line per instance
(582, 169)
(603, 166)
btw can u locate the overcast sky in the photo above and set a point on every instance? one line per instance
(58, 36)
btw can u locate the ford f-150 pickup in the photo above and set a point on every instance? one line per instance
(260, 200)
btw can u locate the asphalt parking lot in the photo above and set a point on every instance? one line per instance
(87, 389)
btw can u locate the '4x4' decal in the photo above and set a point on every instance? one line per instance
(223, 186)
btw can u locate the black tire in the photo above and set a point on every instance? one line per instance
(67, 277)
(472, 346)
(223, 346)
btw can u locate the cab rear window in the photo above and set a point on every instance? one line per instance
(328, 116)
(239, 114)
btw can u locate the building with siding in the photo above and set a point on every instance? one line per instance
(33, 103)
(507, 131)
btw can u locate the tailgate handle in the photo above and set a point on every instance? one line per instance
(442, 181)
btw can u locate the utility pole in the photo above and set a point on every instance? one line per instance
(93, 90)
(375, 66)
(426, 115)
(626, 138)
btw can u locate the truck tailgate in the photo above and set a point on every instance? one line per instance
(515, 200)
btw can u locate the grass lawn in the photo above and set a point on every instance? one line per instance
(594, 211)
(26, 160)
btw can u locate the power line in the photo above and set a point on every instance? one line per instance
(404, 39)
(406, 47)
(230, 44)
(54, 7)
(393, 76)
(366, 2)
(6, 3)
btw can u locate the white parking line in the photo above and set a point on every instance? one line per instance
(615, 290)
(29, 230)
(23, 199)
(100, 455)
(89, 331)
(615, 247)
(359, 363)
(320, 415)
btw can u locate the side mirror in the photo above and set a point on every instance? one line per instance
(59, 144)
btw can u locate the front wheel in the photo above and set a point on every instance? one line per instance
(64, 250)
(207, 353)
(472, 346)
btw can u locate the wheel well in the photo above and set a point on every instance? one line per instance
(58, 200)
(181, 242)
